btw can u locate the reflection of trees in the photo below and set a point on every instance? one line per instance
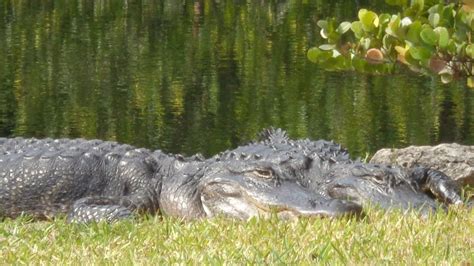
(204, 75)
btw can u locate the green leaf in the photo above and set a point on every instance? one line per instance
(327, 47)
(323, 24)
(419, 53)
(452, 48)
(365, 42)
(356, 27)
(343, 27)
(429, 36)
(393, 26)
(329, 31)
(434, 19)
(313, 54)
(417, 5)
(384, 18)
(409, 59)
(369, 19)
(413, 33)
(466, 16)
(434, 9)
(461, 33)
(470, 50)
(340, 62)
(460, 48)
(447, 16)
(324, 34)
(388, 42)
(443, 37)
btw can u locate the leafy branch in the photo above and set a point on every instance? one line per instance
(428, 38)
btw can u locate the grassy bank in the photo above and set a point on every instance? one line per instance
(379, 238)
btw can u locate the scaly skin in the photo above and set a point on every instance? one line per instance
(93, 180)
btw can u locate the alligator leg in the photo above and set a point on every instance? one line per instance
(94, 209)
(111, 209)
(439, 184)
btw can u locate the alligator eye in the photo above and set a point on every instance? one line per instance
(264, 173)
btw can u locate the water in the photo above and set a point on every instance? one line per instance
(205, 76)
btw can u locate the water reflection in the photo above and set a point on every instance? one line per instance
(202, 76)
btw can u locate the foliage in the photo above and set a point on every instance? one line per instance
(379, 238)
(434, 38)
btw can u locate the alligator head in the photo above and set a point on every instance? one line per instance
(390, 187)
(258, 179)
(260, 188)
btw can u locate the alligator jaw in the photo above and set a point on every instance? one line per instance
(224, 197)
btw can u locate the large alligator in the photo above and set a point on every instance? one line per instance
(93, 180)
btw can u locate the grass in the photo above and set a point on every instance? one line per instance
(380, 238)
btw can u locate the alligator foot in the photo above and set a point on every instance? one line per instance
(95, 209)
(437, 183)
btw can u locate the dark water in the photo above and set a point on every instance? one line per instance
(203, 76)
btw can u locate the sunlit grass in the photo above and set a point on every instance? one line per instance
(380, 237)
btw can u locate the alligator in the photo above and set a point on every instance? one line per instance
(95, 180)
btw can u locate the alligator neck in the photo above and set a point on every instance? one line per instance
(179, 196)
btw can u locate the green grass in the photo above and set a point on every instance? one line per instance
(381, 237)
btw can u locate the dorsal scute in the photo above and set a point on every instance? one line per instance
(273, 135)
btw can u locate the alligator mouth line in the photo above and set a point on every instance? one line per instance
(265, 207)
(288, 212)
(262, 208)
